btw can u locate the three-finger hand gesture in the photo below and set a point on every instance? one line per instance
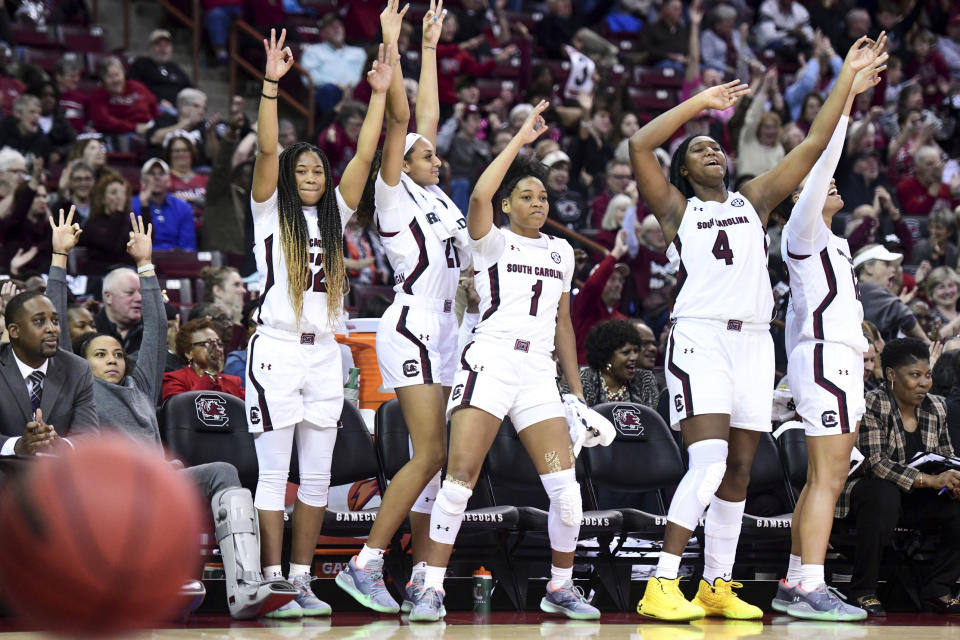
(66, 232)
(433, 23)
(382, 72)
(279, 57)
(140, 245)
(534, 126)
(391, 20)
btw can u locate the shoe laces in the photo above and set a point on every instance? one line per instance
(574, 592)
(671, 587)
(727, 587)
(302, 583)
(375, 573)
(833, 591)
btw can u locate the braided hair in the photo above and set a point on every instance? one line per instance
(679, 159)
(294, 237)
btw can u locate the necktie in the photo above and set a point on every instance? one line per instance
(36, 388)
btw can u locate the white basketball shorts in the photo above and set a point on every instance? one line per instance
(417, 345)
(715, 366)
(826, 380)
(507, 382)
(293, 377)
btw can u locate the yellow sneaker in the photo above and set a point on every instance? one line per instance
(662, 600)
(719, 600)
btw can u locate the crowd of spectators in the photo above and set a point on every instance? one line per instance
(137, 137)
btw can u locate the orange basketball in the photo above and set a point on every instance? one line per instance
(98, 541)
(361, 492)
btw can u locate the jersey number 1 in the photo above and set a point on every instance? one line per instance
(535, 301)
(721, 248)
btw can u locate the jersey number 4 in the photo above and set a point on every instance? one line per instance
(721, 248)
(316, 283)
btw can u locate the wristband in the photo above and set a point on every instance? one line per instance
(427, 47)
(266, 79)
(268, 97)
(147, 267)
(60, 253)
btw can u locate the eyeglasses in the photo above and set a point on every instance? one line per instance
(621, 176)
(208, 344)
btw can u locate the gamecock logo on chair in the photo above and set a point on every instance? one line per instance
(212, 411)
(627, 421)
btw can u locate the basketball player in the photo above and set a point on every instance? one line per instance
(720, 362)
(293, 362)
(825, 370)
(524, 285)
(425, 236)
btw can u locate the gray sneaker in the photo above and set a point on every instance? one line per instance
(429, 608)
(413, 592)
(289, 610)
(570, 601)
(308, 602)
(784, 597)
(823, 603)
(366, 585)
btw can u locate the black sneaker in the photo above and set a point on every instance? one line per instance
(872, 605)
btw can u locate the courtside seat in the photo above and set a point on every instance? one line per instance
(769, 491)
(354, 459)
(208, 426)
(792, 443)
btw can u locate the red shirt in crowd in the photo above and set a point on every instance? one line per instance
(74, 105)
(915, 200)
(10, 90)
(122, 113)
(588, 308)
(451, 62)
(185, 379)
(339, 149)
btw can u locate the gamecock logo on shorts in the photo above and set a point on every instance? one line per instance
(678, 403)
(457, 392)
(829, 419)
(212, 410)
(627, 421)
(254, 415)
(411, 368)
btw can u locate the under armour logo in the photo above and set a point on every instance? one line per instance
(268, 367)
(698, 209)
(843, 372)
(424, 337)
(426, 499)
(688, 350)
(444, 528)
(513, 248)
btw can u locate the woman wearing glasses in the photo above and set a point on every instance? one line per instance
(201, 348)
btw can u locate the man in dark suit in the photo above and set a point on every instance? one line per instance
(46, 393)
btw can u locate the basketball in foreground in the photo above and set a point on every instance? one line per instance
(99, 540)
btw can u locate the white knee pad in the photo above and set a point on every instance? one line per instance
(447, 514)
(428, 496)
(271, 490)
(707, 464)
(566, 509)
(314, 487)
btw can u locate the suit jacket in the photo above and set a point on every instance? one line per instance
(67, 400)
(883, 444)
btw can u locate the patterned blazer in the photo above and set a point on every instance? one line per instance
(882, 442)
(642, 389)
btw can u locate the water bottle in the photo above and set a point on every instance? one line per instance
(351, 389)
(482, 586)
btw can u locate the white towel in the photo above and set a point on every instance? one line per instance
(587, 427)
(450, 222)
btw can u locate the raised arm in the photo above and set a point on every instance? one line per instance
(148, 373)
(398, 109)
(693, 54)
(428, 100)
(767, 190)
(480, 214)
(664, 200)
(266, 169)
(65, 236)
(355, 174)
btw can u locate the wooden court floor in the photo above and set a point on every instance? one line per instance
(532, 626)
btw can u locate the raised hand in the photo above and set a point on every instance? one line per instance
(864, 51)
(534, 126)
(7, 292)
(140, 246)
(391, 20)
(21, 258)
(66, 233)
(433, 23)
(279, 58)
(724, 96)
(696, 13)
(380, 75)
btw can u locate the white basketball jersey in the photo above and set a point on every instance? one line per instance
(275, 308)
(720, 254)
(824, 298)
(422, 264)
(520, 281)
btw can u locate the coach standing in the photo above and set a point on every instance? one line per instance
(47, 392)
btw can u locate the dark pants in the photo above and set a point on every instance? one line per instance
(877, 507)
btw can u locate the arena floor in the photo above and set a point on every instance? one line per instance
(529, 626)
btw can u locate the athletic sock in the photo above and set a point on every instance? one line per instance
(418, 569)
(721, 533)
(273, 572)
(668, 566)
(811, 576)
(298, 569)
(433, 577)
(793, 571)
(367, 554)
(559, 577)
